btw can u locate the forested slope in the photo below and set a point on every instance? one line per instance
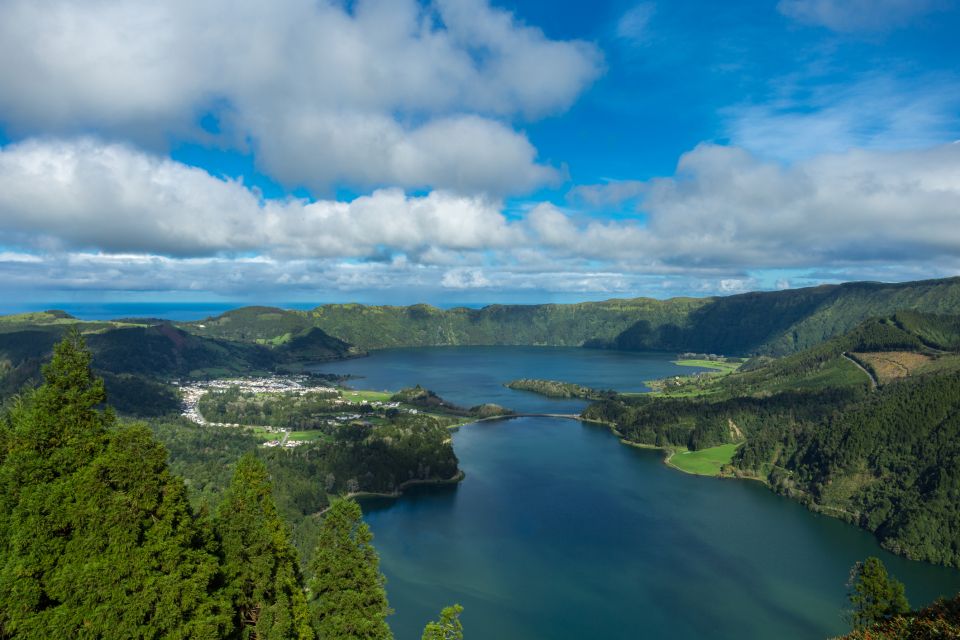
(135, 359)
(776, 323)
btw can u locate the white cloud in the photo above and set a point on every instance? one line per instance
(386, 92)
(13, 256)
(726, 206)
(86, 215)
(466, 153)
(464, 279)
(858, 15)
(86, 194)
(805, 119)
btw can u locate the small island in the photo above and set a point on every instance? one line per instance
(557, 389)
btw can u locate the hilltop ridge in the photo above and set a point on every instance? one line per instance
(772, 323)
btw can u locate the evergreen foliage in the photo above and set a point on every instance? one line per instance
(260, 565)
(347, 588)
(874, 595)
(98, 538)
(448, 627)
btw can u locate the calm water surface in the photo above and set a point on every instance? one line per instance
(560, 532)
(473, 375)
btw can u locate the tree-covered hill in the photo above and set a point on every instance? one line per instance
(775, 323)
(134, 358)
(813, 427)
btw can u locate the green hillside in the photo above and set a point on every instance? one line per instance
(135, 360)
(775, 323)
(378, 327)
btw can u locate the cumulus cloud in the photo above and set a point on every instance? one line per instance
(466, 153)
(371, 93)
(86, 214)
(858, 15)
(727, 205)
(87, 194)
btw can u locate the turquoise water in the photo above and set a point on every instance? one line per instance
(560, 532)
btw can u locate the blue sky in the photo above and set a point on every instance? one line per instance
(463, 151)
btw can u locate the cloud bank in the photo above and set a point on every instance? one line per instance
(73, 208)
(385, 92)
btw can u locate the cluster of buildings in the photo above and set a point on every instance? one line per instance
(192, 392)
(285, 443)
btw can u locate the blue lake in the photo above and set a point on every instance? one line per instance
(561, 532)
(473, 375)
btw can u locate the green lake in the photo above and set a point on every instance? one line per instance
(561, 532)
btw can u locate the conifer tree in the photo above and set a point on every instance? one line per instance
(448, 627)
(349, 598)
(875, 596)
(97, 538)
(259, 563)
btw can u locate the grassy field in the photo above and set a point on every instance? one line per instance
(359, 396)
(890, 365)
(308, 436)
(263, 434)
(705, 462)
(722, 367)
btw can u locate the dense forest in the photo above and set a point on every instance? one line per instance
(100, 537)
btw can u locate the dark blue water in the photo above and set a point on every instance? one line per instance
(561, 532)
(473, 375)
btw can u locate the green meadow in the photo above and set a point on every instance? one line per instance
(705, 462)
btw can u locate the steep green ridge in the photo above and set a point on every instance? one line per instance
(813, 427)
(775, 323)
(132, 358)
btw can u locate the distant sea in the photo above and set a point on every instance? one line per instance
(166, 310)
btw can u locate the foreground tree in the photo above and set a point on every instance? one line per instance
(448, 627)
(97, 538)
(874, 595)
(349, 598)
(259, 562)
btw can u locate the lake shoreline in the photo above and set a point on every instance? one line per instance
(398, 492)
